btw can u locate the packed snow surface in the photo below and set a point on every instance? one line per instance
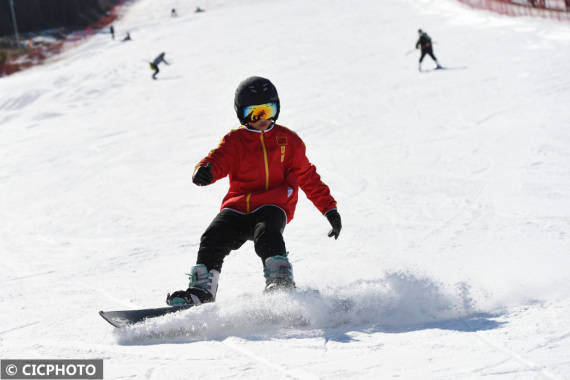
(453, 186)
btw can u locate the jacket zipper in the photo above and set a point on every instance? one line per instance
(247, 202)
(266, 163)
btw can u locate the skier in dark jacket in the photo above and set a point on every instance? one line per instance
(424, 42)
(154, 64)
(266, 164)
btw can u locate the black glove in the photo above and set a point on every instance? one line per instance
(334, 219)
(203, 176)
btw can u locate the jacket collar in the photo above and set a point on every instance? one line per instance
(258, 131)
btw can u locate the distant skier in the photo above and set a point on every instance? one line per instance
(424, 42)
(112, 31)
(127, 37)
(266, 164)
(198, 10)
(173, 13)
(154, 64)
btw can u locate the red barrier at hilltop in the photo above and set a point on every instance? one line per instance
(37, 54)
(554, 9)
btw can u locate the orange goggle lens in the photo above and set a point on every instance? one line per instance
(260, 111)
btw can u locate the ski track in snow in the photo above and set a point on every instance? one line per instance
(514, 355)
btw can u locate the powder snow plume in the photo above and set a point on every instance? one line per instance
(397, 302)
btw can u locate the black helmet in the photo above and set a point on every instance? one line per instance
(253, 91)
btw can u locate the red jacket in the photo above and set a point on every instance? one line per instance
(267, 168)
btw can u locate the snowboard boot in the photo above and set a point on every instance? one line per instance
(202, 289)
(278, 274)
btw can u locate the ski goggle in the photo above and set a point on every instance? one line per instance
(260, 111)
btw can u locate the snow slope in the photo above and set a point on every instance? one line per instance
(453, 186)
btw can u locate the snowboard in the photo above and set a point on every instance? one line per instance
(122, 318)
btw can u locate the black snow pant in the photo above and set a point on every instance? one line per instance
(155, 69)
(229, 230)
(427, 51)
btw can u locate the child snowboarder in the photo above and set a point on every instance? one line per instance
(154, 64)
(424, 42)
(266, 164)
